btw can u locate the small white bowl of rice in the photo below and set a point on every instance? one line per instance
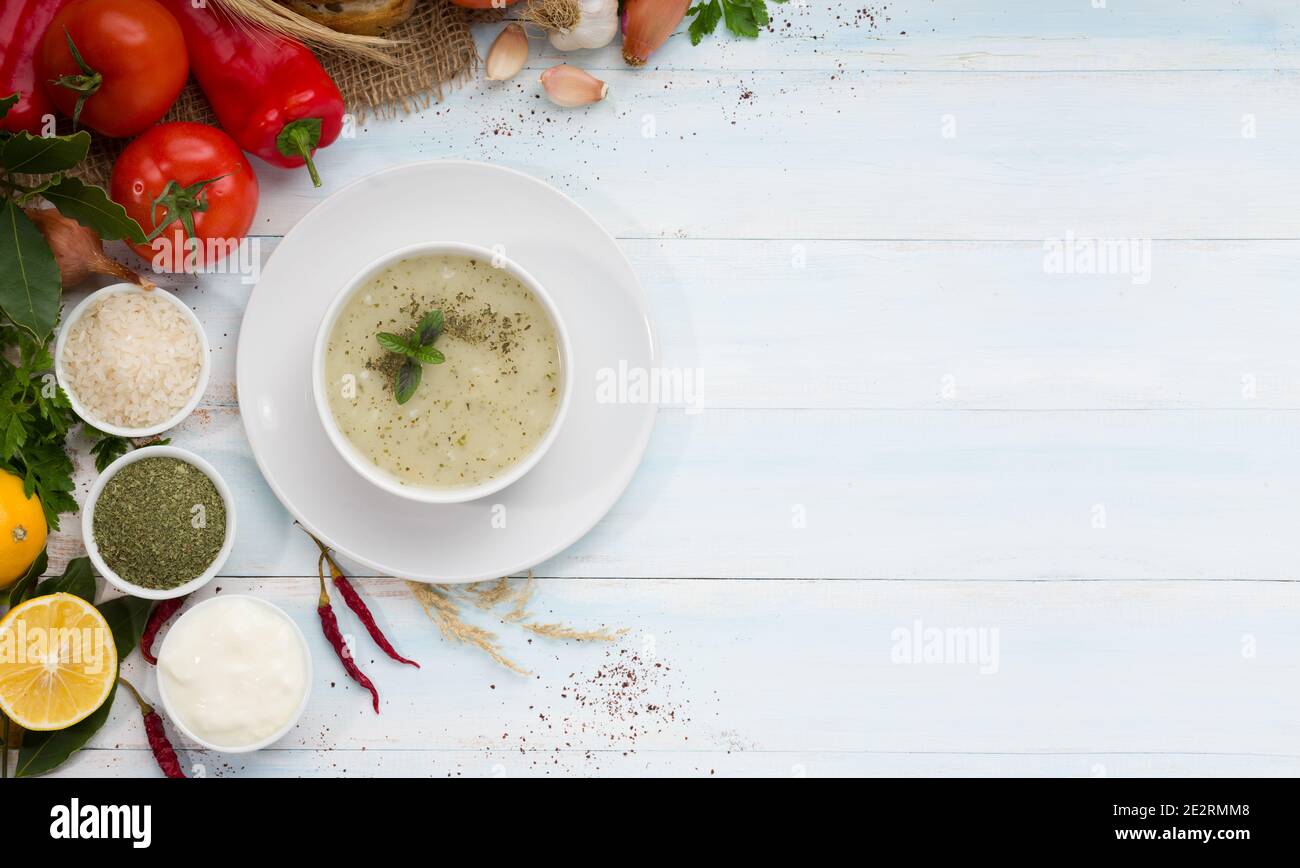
(133, 362)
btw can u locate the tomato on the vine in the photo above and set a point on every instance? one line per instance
(191, 189)
(115, 66)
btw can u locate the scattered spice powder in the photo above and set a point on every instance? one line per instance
(159, 522)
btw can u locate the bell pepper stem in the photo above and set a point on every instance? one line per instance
(311, 166)
(298, 139)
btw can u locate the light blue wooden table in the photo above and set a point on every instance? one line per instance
(941, 509)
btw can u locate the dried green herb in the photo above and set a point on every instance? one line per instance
(159, 522)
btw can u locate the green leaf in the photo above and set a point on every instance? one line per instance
(36, 189)
(759, 8)
(739, 17)
(8, 102)
(394, 343)
(429, 328)
(24, 587)
(45, 751)
(106, 448)
(428, 356)
(30, 285)
(706, 20)
(408, 380)
(47, 472)
(126, 617)
(27, 154)
(77, 579)
(15, 435)
(90, 206)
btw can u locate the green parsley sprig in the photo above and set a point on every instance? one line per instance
(417, 349)
(743, 17)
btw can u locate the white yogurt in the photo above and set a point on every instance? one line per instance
(233, 672)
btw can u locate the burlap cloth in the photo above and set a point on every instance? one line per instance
(436, 50)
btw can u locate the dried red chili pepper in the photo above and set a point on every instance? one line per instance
(160, 615)
(330, 624)
(358, 605)
(162, 748)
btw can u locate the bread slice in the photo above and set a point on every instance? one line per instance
(362, 17)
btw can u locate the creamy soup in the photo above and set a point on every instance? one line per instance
(473, 416)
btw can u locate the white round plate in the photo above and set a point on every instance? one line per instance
(602, 305)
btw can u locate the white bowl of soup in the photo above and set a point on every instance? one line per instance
(493, 385)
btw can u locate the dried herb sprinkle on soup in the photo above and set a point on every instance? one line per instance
(159, 522)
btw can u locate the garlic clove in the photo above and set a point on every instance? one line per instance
(570, 86)
(508, 53)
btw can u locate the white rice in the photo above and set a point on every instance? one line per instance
(132, 359)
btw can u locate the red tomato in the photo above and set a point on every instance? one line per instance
(168, 175)
(133, 64)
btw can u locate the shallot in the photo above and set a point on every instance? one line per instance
(78, 251)
(647, 24)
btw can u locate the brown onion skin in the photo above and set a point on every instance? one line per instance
(78, 251)
(647, 24)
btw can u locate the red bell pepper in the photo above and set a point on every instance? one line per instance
(22, 24)
(269, 92)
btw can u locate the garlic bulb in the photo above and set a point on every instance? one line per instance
(595, 28)
(572, 24)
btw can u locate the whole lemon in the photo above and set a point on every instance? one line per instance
(22, 529)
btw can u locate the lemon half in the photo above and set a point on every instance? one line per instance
(58, 662)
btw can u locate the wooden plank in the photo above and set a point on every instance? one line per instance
(1169, 677)
(852, 155)
(897, 495)
(934, 325)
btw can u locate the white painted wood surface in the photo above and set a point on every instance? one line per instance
(1099, 475)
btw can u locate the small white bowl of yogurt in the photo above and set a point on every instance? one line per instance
(234, 673)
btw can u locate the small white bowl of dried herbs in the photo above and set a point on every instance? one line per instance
(159, 523)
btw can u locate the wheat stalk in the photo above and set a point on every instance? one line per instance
(440, 604)
(564, 631)
(282, 21)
